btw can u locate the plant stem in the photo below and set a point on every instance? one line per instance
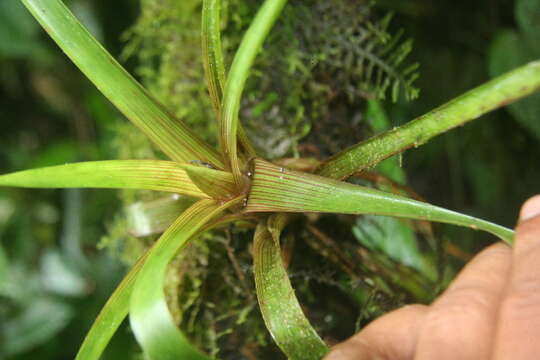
(496, 93)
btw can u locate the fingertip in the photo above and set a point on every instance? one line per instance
(530, 209)
(527, 237)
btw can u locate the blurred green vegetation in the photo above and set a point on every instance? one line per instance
(309, 96)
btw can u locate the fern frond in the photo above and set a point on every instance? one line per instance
(374, 60)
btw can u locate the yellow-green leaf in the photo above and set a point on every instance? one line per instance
(114, 174)
(150, 318)
(275, 188)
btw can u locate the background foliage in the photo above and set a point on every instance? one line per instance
(311, 94)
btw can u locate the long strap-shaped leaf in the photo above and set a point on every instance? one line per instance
(114, 174)
(117, 307)
(211, 51)
(236, 81)
(171, 135)
(150, 318)
(281, 311)
(214, 65)
(498, 92)
(277, 189)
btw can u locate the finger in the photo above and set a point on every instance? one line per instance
(519, 315)
(460, 324)
(530, 208)
(391, 337)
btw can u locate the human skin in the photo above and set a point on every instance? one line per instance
(490, 311)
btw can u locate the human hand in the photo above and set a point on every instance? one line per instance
(490, 311)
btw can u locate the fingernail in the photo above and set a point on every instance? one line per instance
(530, 209)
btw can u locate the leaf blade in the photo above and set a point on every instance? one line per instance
(236, 81)
(279, 306)
(155, 175)
(277, 189)
(214, 64)
(150, 318)
(117, 307)
(211, 51)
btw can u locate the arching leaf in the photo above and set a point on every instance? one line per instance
(279, 306)
(150, 318)
(275, 188)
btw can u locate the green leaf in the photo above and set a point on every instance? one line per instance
(114, 174)
(169, 134)
(211, 51)
(150, 318)
(214, 65)
(275, 188)
(383, 56)
(498, 92)
(117, 307)
(379, 122)
(236, 81)
(279, 306)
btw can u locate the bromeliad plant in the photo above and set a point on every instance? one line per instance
(233, 184)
